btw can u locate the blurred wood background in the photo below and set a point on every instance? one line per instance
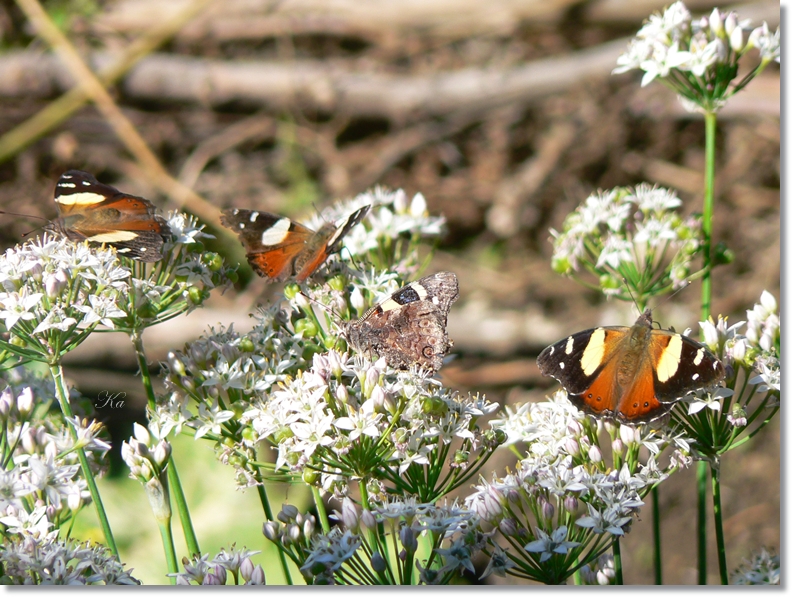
(504, 114)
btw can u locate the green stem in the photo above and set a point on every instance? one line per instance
(617, 562)
(710, 122)
(320, 509)
(262, 492)
(177, 491)
(658, 555)
(716, 506)
(63, 398)
(170, 551)
(701, 486)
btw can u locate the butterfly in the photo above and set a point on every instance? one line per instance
(409, 327)
(279, 248)
(633, 374)
(96, 212)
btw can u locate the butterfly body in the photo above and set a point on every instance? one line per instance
(278, 248)
(409, 327)
(633, 374)
(98, 213)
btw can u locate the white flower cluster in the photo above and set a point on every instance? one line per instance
(675, 41)
(200, 570)
(44, 467)
(759, 348)
(698, 58)
(563, 471)
(628, 228)
(41, 490)
(355, 418)
(393, 217)
(763, 568)
(451, 533)
(53, 290)
(30, 558)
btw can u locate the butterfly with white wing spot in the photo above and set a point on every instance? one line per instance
(632, 374)
(98, 213)
(279, 248)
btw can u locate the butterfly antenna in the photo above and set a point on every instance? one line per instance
(13, 213)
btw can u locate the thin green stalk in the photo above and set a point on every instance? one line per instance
(170, 551)
(262, 492)
(710, 122)
(717, 511)
(63, 398)
(617, 562)
(177, 491)
(701, 519)
(320, 509)
(658, 555)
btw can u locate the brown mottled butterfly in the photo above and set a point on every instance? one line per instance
(409, 327)
(632, 374)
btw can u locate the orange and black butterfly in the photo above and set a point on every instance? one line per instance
(98, 213)
(631, 374)
(279, 248)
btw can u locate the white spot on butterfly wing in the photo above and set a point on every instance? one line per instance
(254, 216)
(699, 357)
(67, 185)
(561, 365)
(595, 350)
(80, 199)
(669, 359)
(277, 233)
(569, 345)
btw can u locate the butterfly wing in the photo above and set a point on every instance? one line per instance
(681, 365)
(324, 243)
(272, 243)
(586, 364)
(96, 212)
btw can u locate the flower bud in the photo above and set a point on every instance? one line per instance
(271, 530)
(378, 563)
(162, 453)
(221, 574)
(342, 394)
(594, 454)
(408, 539)
(24, 402)
(716, 23)
(617, 447)
(309, 527)
(627, 434)
(508, 527)
(6, 402)
(246, 569)
(349, 515)
(378, 397)
(570, 504)
(730, 23)
(548, 510)
(294, 532)
(368, 519)
(356, 299)
(418, 206)
(736, 39)
(400, 202)
(56, 283)
(258, 577)
(572, 447)
(290, 511)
